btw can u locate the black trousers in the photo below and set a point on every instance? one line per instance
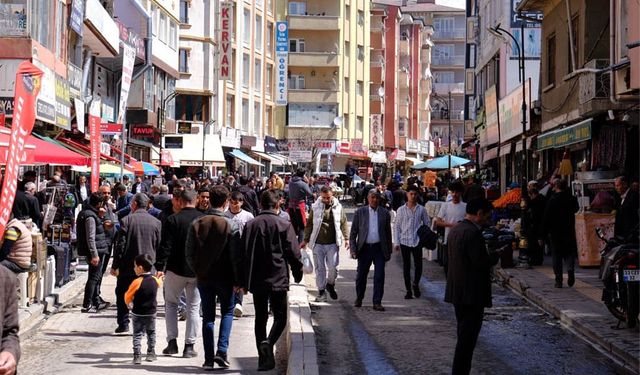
(122, 285)
(469, 318)
(408, 253)
(94, 279)
(105, 265)
(261, 300)
(370, 254)
(563, 252)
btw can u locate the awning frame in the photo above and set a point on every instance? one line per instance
(236, 153)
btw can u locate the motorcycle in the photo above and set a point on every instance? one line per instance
(620, 273)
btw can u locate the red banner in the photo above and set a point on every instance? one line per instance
(94, 134)
(28, 80)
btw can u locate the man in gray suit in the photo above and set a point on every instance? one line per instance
(370, 242)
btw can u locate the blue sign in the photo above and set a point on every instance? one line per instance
(77, 16)
(282, 36)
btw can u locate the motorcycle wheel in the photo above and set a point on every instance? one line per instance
(617, 310)
(633, 291)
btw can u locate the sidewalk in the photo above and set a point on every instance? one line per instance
(578, 308)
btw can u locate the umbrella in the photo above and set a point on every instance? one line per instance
(442, 163)
(144, 168)
(111, 170)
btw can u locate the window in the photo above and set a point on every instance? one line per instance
(245, 115)
(347, 49)
(360, 53)
(296, 82)
(269, 6)
(154, 23)
(41, 10)
(360, 18)
(443, 24)
(444, 77)
(443, 51)
(257, 75)
(346, 84)
(184, 11)
(297, 8)
(268, 79)
(246, 25)
(359, 124)
(296, 45)
(258, 32)
(551, 60)
(574, 47)
(191, 107)
(163, 27)
(173, 35)
(245, 70)
(267, 120)
(269, 40)
(229, 111)
(257, 118)
(184, 61)
(345, 121)
(359, 88)
(60, 28)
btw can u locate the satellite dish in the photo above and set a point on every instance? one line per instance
(337, 121)
(380, 91)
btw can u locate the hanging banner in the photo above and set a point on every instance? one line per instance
(94, 133)
(77, 16)
(128, 59)
(282, 62)
(226, 28)
(79, 106)
(28, 81)
(377, 139)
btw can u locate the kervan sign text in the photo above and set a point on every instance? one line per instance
(226, 27)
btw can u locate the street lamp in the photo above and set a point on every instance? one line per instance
(447, 105)
(523, 258)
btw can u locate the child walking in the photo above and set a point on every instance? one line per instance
(141, 299)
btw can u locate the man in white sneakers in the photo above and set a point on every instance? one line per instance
(325, 231)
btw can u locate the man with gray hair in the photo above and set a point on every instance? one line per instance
(139, 234)
(32, 202)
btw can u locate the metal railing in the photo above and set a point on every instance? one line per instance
(447, 60)
(457, 33)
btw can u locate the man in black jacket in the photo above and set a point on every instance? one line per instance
(179, 275)
(469, 279)
(139, 234)
(298, 192)
(627, 209)
(271, 248)
(247, 188)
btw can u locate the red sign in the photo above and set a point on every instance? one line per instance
(110, 128)
(94, 132)
(2, 120)
(28, 81)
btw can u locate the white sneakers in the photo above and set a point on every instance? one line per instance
(237, 310)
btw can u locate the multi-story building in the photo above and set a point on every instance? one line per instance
(589, 85)
(328, 78)
(447, 70)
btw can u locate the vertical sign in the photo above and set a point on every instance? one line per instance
(226, 28)
(28, 81)
(79, 105)
(376, 131)
(128, 59)
(94, 131)
(77, 16)
(282, 61)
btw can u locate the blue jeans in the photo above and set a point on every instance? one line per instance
(370, 254)
(208, 294)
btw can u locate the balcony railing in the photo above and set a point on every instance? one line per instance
(448, 60)
(458, 33)
(443, 88)
(313, 22)
(441, 114)
(319, 59)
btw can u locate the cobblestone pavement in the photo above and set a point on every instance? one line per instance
(71, 342)
(418, 336)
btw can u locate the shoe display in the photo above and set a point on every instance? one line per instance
(188, 351)
(266, 360)
(172, 348)
(416, 291)
(221, 360)
(572, 279)
(322, 297)
(137, 359)
(331, 288)
(378, 307)
(408, 296)
(208, 365)
(357, 303)
(122, 329)
(151, 357)
(237, 310)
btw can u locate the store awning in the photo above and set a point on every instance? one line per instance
(505, 149)
(243, 157)
(379, 157)
(274, 160)
(414, 160)
(45, 152)
(489, 154)
(566, 136)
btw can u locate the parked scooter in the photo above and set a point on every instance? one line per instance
(620, 273)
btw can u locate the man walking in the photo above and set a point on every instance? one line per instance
(450, 214)
(271, 249)
(212, 252)
(298, 193)
(248, 190)
(326, 230)
(409, 218)
(370, 242)
(469, 279)
(179, 275)
(139, 234)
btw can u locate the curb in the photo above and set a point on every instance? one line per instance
(30, 316)
(609, 345)
(300, 340)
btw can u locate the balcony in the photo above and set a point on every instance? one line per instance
(441, 115)
(377, 59)
(374, 92)
(403, 47)
(315, 95)
(313, 22)
(457, 60)
(444, 88)
(449, 34)
(319, 59)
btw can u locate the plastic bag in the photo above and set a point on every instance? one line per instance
(307, 263)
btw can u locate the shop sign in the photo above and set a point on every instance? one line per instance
(323, 146)
(13, 19)
(6, 106)
(184, 127)
(376, 134)
(46, 101)
(344, 147)
(63, 104)
(282, 145)
(110, 128)
(412, 145)
(144, 133)
(426, 147)
(226, 28)
(510, 108)
(128, 59)
(300, 156)
(173, 142)
(567, 136)
(77, 16)
(74, 77)
(282, 62)
(270, 144)
(528, 15)
(79, 107)
(247, 141)
(490, 134)
(95, 136)
(131, 38)
(230, 137)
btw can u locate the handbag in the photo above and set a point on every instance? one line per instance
(427, 238)
(307, 263)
